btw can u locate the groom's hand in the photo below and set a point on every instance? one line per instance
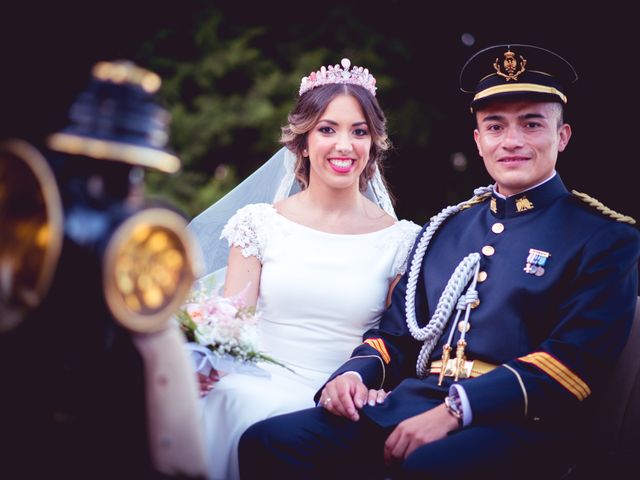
(414, 432)
(344, 396)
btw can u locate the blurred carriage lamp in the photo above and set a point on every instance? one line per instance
(221, 172)
(459, 161)
(90, 275)
(467, 39)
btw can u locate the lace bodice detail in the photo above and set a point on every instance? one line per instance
(403, 237)
(249, 229)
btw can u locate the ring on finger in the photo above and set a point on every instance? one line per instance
(326, 402)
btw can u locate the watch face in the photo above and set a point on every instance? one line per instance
(30, 230)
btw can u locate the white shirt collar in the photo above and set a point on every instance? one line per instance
(498, 194)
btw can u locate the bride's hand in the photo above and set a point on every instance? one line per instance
(207, 382)
(376, 397)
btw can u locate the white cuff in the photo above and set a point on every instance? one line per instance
(353, 372)
(457, 390)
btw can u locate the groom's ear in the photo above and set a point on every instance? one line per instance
(476, 136)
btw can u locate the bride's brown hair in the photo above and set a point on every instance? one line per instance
(308, 110)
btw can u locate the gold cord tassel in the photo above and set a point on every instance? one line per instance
(446, 354)
(460, 358)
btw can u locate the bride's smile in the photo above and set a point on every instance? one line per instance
(339, 145)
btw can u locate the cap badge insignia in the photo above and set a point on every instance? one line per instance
(512, 66)
(523, 204)
(536, 262)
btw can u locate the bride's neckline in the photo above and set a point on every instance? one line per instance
(300, 225)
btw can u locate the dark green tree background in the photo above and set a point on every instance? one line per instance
(231, 71)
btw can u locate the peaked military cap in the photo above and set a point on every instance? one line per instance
(516, 71)
(118, 118)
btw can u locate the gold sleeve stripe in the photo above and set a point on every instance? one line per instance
(379, 346)
(383, 350)
(559, 372)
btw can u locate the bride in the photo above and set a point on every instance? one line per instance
(319, 264)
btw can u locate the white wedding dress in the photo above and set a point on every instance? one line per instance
(319, 292)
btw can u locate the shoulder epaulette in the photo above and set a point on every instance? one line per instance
(475, 200)
(603, 209)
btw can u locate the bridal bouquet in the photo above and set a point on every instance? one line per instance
(222, 332)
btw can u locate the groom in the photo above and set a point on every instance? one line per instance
(516, 305)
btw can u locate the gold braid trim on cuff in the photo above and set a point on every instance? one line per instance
(524, 390)
(381, 363)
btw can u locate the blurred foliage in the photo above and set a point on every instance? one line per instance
(231, 71)
(229, 82)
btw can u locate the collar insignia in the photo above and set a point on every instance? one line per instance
(493, 206)
(523, 204)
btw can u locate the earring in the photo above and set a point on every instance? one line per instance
(305, 153)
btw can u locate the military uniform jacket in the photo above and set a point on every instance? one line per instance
(551, 335)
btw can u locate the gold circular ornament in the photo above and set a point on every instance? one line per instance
(31, 230)
(497, 228)
(488, 250)
(466, 326)
(148, 269)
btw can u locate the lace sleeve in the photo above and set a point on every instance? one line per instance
(407, 232)
(246, 229)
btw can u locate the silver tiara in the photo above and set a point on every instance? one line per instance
(337, 74)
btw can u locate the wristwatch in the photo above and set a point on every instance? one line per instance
(454, 406)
